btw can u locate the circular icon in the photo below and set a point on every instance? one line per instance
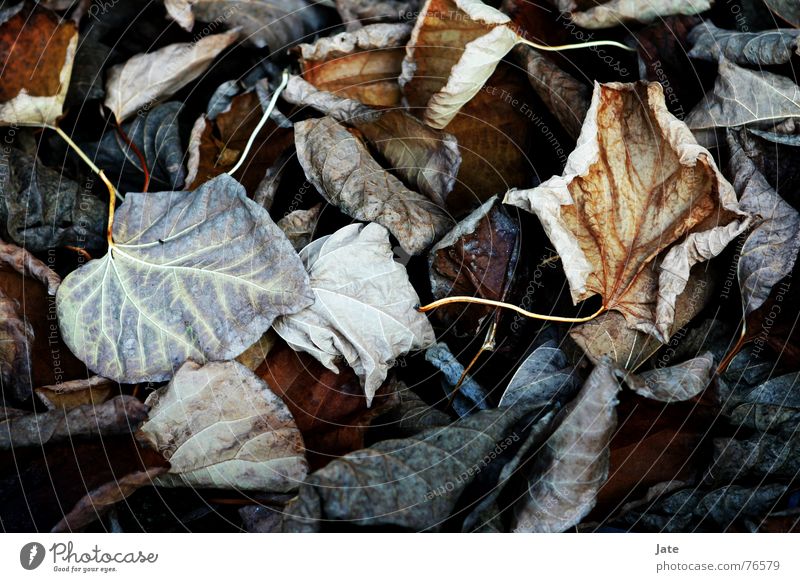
(31, 555)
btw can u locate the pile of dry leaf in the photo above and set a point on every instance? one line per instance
(436, 266)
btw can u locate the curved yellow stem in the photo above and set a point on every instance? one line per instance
(566, 47)
(491, 302)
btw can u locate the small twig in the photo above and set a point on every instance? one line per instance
(80, 251)
(262, 121)
(488, 346)
(465, 299)
(567, 47)
(723, 365)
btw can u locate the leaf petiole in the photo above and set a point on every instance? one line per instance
(566, 47)
(466, 299)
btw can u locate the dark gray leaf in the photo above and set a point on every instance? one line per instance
(412, 483)
(471, 395)
(773, 406)
(674, 383)
(86, 81)
(198, 275)
(766, 456)
(769, 47)
(544, 378)
(156, 134)
(40, 208)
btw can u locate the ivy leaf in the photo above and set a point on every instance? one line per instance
(197, 275)
(364, 309)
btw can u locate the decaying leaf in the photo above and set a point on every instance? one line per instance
(40, 208)
(156, 136)
(745, 97)
(773, 406)
(564, 95)
(341, 168)
(478, 257)
(197, 275)
(425, 159)
(674, 383)
(354, 12)
(786, 9)
(151, 77)
(299, 225)
(361, 65)
(470, 395)
(770, 251)
(37, 49)
(769, 47)
(574, 464)
(612, 13)
(543, 379)
(411, 483)
(765, 456)
(219, 425)
(636, 185)
(264, 23)
(364, 308)
(99, 501)
(119, 415)
(74, 393)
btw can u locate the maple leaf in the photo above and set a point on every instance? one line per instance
(637, 185)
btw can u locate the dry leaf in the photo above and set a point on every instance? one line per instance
(786, 9)
(565, 96)
(99, 501)
(744, 97)
(364, 309)
(37, 49)
(770, 251)
(768, 47)
(361, 65)
(151, 77)
(636, 185)
(74, 393)
(354, 12)
(618, 12)
(575, 459)
(427, 160)
(264, 23)
(344, 172)
(197, 275)
(674, 383)
(118, 415)
(299, 225)
(219, 425)
(544, 378)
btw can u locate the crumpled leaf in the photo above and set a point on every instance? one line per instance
(744, 97)
(219, 425)
(299, 225)
(41, 208)
(412, 483)
(636, 185)
(354, 12)
(37, 49)
(361, 65)
(99, 501)
(73, 393)
(341, 168)
(16, 332)
(765, 456)
(117, 416)
(613, 13)
(156, 135)
(674, 383)
(471, 396)
(565, 96)
(574, 463)
(364, 308)
(770, 251)
(217, 144)
(412, 414)
(454, 49)
(147, 78)
(276, 24)
(330, 409)
(86, 81)
(425, 159)
(191, 275)
(786, 9)
(477, 258)
(544, 378)
(767, 47)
